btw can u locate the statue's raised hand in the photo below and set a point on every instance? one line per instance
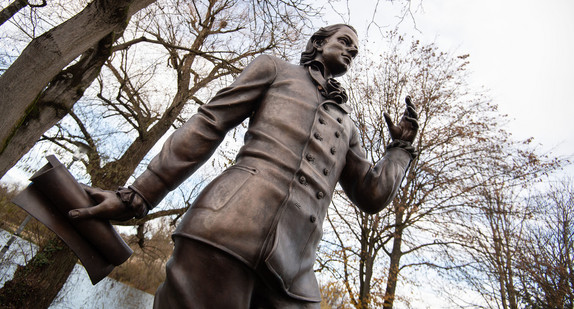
(408, 126)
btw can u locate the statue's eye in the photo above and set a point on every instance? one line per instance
(345, 41)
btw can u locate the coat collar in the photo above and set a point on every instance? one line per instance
(329, 88)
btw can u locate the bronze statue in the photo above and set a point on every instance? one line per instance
(249, 239)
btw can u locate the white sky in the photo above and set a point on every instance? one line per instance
(522, 51)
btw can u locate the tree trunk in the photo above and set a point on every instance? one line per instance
(365, 284)
(396, 255)
(366, 264)
(393, 273)
(118, 172)
(45, 57)
(11, 10)
(55, 102)
(39, 282)
(510, 289)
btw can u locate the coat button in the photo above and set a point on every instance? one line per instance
(320, 195)
(318, 136)
(303, 180)
(337, 134)
(310, 157)
(326, 172)
(313, 219)
(339, 120)
(321, 120)
(333, 150)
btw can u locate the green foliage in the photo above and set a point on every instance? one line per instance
(46, 256)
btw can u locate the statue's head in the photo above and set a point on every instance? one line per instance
(335, 46)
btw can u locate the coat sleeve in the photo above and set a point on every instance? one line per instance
(372, 187)
(193, 144)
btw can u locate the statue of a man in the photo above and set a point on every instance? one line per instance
(249, 239)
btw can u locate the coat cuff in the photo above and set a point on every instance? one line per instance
(133, 201)
(406, 146)
(150, 188)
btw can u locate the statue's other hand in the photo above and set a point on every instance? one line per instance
(109, 206)
(408, 126)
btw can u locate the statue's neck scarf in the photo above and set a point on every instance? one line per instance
(329, 88)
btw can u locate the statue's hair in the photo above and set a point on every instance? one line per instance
(317, 38)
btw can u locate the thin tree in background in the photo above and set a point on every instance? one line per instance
(490, 235)
(546, 259)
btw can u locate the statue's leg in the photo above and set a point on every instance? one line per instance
(201, 276)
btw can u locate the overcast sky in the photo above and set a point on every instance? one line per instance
(522, 51)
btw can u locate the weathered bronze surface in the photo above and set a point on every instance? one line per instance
(266, 211)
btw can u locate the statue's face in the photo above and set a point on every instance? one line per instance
(338, 51)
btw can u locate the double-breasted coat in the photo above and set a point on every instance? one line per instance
(267, 210)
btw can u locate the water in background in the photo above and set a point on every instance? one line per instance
(78, 292)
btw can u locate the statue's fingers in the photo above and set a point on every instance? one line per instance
(106, 210)
(411, 112)
(409, 101)
(412, 121)
(90, 190)
(97, 194)
(388, 120)
(85, 213)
